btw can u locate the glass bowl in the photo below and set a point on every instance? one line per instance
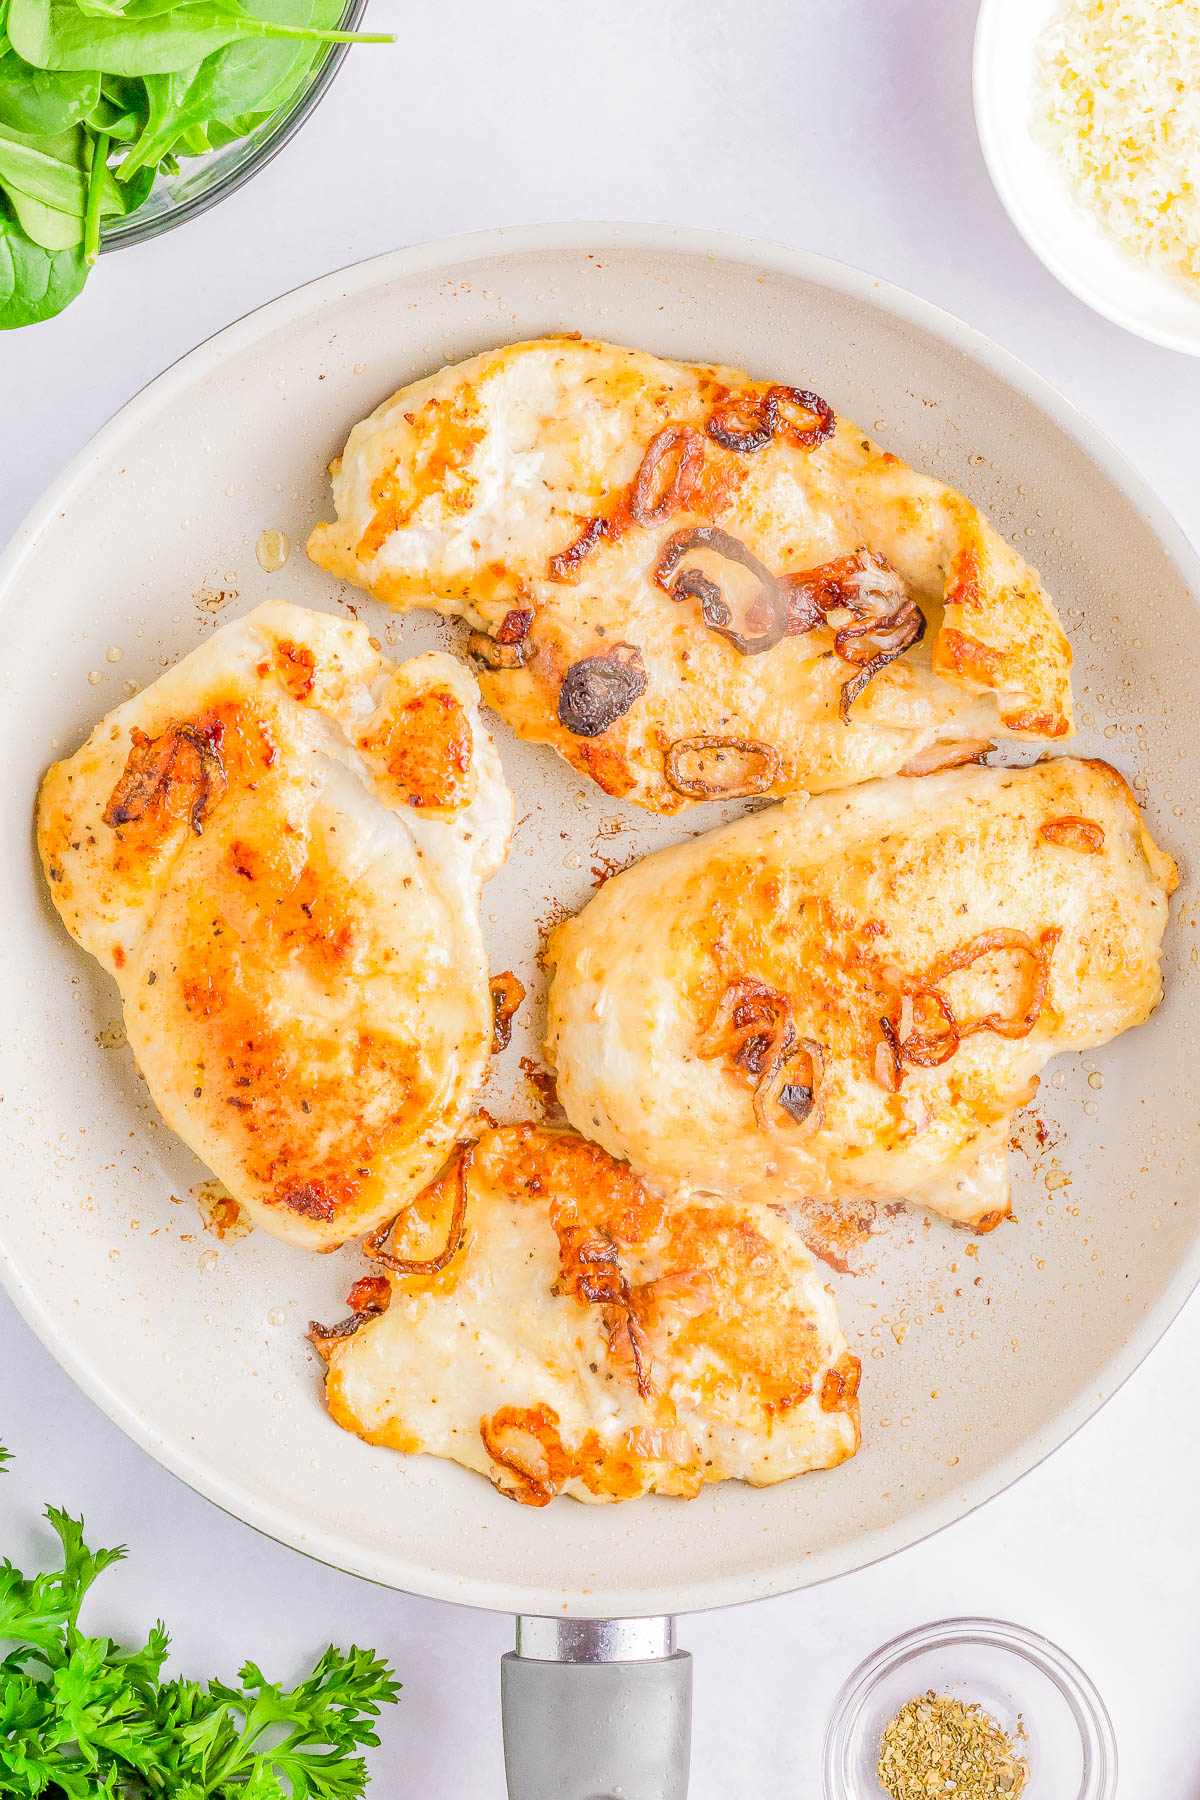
(1044, 1701)
(203, 181)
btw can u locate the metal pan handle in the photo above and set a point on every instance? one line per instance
(596, 1709)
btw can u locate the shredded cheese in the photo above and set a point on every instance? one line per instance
(1118, 100)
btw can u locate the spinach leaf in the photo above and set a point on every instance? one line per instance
(42, 101)
(54, 34)
(48, 169)
(45, 225)
(34, 283)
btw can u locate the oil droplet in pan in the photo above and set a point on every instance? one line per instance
(272, 550)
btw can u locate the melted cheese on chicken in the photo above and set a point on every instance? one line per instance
(277, 850)
(591, 1339)
(849, 997)
(537, 490)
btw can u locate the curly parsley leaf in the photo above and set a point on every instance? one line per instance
(83, 1719)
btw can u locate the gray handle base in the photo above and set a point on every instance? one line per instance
(597, 1731)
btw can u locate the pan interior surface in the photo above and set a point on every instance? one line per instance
(979, 1355)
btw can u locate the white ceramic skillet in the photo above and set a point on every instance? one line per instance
(196, 1346)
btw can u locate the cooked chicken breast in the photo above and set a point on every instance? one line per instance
(849, 997)
(691, 583)
(277, 849)
(572, 1334)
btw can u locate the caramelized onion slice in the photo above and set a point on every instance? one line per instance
(720, 768)
(496, 655)
(929, 1049)
(891, 638)
(1074, 833)
(524, 1441)
(752, 1027)
(182, 753)
(889, 1071)
(600, 689)
(565, 565)
(779, 1085)
(433, 1265)
(948, 756)
(715, 609)
(687, 446)
(1024, 1017)
(748, 422)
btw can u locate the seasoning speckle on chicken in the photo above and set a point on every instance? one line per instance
(277, 849)
(587, 1337)
(848, 998)
(662, 560)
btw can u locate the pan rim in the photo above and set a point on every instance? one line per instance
(442, 257)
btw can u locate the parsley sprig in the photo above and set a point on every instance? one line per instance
(81, 1718)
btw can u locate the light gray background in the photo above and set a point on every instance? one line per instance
(842, 126)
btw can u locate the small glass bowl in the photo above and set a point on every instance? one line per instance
(1019, 1678)
(202, 181)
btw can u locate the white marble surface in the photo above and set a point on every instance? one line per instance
(842, 126)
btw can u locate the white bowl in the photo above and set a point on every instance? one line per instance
(1036, 195)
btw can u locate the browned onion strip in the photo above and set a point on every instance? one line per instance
(1073, 833)
(496, 655)
(401, 1265)
(889, 1071)
(151, 769)
(926, 1049)
(564, 566)
(684, 442)
(748, 422)
(699, 787)
(899, 632)
(1039, 956)
(752, 1026)
(323, 1337)
(812, 593)
(930, 1049)
(741, 425)
(715, 610)
(502, 1436)
(777, 1086)
(514, 626)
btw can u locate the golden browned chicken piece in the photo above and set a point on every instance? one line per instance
(693, 584)
(849, 997)
(549, 1322)
(277, 850)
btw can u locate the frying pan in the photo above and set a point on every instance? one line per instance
(980, 1356)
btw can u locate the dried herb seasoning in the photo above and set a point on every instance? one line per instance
(936, 1745)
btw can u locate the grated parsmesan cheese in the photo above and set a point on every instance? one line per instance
(1119, 102)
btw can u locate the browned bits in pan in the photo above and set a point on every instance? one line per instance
(721, 768)
(600, 689)
(839, 1390)
(507, 994)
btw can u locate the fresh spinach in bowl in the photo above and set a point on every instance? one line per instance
(98, 97)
